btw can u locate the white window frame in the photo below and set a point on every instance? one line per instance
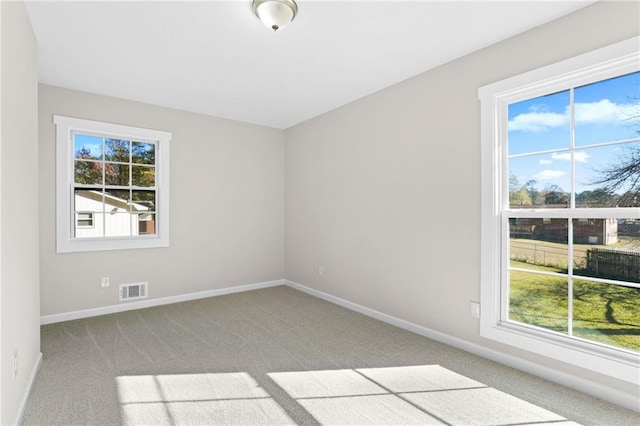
(618, 59)
(65, 217)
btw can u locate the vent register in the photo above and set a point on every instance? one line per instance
(133, 291)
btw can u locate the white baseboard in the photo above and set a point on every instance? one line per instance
(122, 307)
(27, 391)
(557, 376)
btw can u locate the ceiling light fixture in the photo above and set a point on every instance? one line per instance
(275, 14)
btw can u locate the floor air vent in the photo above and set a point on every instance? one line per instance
(133, 291)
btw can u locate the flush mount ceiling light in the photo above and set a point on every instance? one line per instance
(275, 14)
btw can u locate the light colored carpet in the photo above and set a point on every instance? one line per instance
(279, 356)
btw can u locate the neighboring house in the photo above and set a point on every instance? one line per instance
(596, 231)
(111, 218)
(585, 231)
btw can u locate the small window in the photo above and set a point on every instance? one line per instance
(113, 180)
(84, 220)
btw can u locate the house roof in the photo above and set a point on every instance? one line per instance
(111, 200)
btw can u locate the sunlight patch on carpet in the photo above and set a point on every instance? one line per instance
(328, 383)
(222, 398)
(424, 394)
(480, 407)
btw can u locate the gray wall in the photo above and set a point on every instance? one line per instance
(384, 193)
(227, 207)
(20, 303)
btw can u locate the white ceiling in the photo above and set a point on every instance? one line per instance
(216, 57)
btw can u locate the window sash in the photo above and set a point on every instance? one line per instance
(569, 213)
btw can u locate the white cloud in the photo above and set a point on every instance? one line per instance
(602, 111)
(549, 174)
(564, 156)
(545, 161)
(537, 121)
(605, 111)
(579, 156)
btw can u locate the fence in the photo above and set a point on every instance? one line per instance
(546, 254)
(613, 264)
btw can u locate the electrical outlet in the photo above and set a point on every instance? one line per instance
(15, 363)
(474, 309)
(104, 282)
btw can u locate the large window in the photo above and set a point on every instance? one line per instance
(561, 211)
(112, 188)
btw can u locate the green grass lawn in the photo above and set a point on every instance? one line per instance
(601, 312)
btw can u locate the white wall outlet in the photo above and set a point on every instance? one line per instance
(104, 282)
(15, 363)
(474, 309)
(321, 271)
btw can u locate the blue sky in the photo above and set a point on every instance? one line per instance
(605, 111)
(92, 143)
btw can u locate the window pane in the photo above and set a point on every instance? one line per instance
(538, 300)
(143, 176)
(590, 234)
(118, 224)
(143, 153)
(608, 176)
(144, 200)
(116, 150)
(540, 181)
(539, 244)
(146, 224)
(620, 265)
(117, 200)
(87, 172)
(88, 200)
(88, 205)
(95, 231)
(629, 233)
(116, 174)
(608, 110)
(611, 249)
(607, 313)
(539, 124)
(87, 147)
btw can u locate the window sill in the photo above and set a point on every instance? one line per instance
(620, 364)
(105, 244)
